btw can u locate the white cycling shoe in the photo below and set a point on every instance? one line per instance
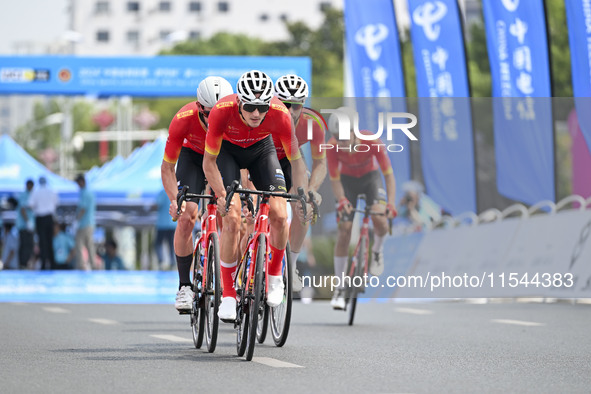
(184, 300)
(227, 310)
(276, 290)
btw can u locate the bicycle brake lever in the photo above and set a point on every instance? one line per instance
(230, 190)
(315, 212)
(180, 197)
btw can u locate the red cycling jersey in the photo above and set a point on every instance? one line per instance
(356, 164)
(225, 122)
(186, 129)
(301, 133)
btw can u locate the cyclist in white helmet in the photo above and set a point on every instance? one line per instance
(238, 135)
(185, 145)
(292, 90)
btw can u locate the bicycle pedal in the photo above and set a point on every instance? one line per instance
(228, 320)
(184, 312)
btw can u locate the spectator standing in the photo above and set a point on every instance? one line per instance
(43, 202)
(63, 247)
(10, 247)
(25, 223)
(85, 217)
(165, 229)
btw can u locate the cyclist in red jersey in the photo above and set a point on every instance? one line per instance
(184, 148)
(240, 129)
(292, 90)
(353, 173)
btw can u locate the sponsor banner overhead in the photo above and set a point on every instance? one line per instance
(447, 143)
(134, 76)
(523, 125)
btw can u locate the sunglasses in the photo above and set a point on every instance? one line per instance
(295, 106)
(253, 107)
(203, 111)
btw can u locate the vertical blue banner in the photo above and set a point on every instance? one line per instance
(447, 143)
(373, 50)
(578, 18)
(522, 108)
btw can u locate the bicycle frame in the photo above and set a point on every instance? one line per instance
(208, 226)
(363, 238)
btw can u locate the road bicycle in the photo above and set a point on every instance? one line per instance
(251, 280)
(206, 272)
(280, 316)
(360, 260)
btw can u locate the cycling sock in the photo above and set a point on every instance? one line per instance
(294, 258)
(276, 261)
(378, 243)
(184, 266)
(228, 275)
(340, 265)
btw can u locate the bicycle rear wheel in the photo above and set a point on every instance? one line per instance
(256, 297)
(359, 261)
(197, 322)
(281, 314)
(211, 293)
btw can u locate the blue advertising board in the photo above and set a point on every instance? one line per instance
(134, 76)
(376, 67)
(522, 108)
(447, 142)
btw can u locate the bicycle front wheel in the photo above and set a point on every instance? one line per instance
(359, 260)
(281, 314)
(212, 293)
(256, 297)
(197, 321)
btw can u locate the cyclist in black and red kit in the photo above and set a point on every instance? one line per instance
(292, 90)
(353, 173)
(239, 137)
(184, 148)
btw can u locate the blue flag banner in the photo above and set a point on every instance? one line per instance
(373, 51)
(522, 108)
(447, 143)
(578, 18)
(134, 76)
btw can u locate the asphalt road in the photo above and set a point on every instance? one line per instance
(399, 348)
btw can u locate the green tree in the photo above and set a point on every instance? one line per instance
(324, 46)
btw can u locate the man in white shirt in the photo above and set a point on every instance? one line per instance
(44, 202)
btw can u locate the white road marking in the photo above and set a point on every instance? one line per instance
(106, 322)
(172, 338)
(414, 311)
(271, 362)
(55, 309)
(518, 322)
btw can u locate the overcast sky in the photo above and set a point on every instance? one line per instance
(39, 21)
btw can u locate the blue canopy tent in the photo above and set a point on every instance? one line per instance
(137, 182)
(16, 166)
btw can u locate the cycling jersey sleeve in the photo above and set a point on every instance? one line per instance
(215, 132)
(176, 136)
(318, 131)
(332, 161)
(382, 158)
(287, 137)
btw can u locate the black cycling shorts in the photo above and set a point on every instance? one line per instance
(369, 184)
(286, 168)
(189, 170)
(260, 159)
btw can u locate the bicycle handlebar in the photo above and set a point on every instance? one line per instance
(235, 188)
(184, 195)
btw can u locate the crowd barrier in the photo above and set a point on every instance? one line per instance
(541, 251)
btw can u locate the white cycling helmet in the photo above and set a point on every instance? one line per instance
(211, 89)
(291, 88)
(252, 83)
(333, 122)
